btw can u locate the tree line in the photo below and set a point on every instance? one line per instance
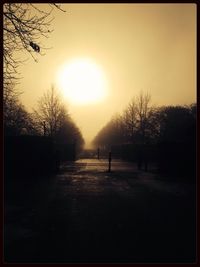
(143, 123)
(25, 26)
(50, 118)
(144, 133)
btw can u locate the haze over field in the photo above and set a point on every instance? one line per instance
(129, 47)
(99, 133)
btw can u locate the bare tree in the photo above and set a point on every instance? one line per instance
(130, 120)
(136, 119)
(53, 119)
(51, 112)
(143, 110)
(24, 26)
(137, 124)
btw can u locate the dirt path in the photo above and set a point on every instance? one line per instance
(85, 214)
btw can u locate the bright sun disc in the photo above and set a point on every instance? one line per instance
(82, 81)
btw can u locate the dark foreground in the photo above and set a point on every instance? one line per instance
(85, 214)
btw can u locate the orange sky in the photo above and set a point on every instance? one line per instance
(149, 47)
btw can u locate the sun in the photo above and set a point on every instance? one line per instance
(82, 81)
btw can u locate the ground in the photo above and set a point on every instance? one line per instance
(85, 214)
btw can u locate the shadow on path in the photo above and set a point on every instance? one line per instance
(87, 215)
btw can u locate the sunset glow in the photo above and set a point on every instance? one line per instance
(82, 81)
(103, 55)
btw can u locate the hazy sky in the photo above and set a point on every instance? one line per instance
(149, 47)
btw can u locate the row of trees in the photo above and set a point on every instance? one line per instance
(25, 26)
(143, 123)
(50, 118)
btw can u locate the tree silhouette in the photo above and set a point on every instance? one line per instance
(53, 114)
(141, 123)
(17, 121)
(176, 122)
(52, 111)
(24, 27)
